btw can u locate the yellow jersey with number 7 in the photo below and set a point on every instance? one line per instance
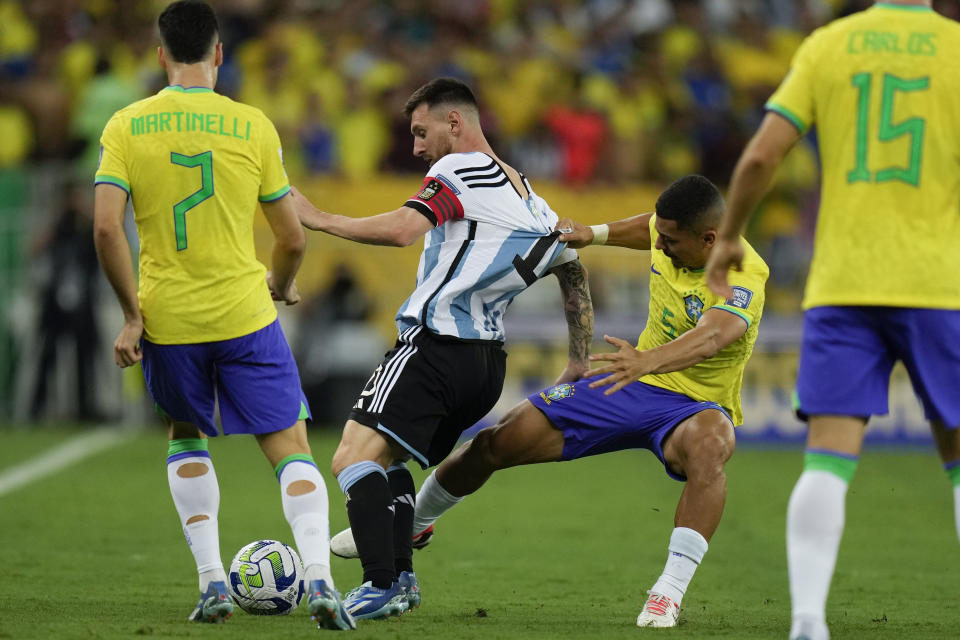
(882, 88)
(195, 163)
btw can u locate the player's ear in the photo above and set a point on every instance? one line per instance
(455, 121)
(161, 57)
(709, 237)
(218, 54)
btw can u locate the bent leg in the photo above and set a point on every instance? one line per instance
(698, 448)
(523, 436)
(815, 517)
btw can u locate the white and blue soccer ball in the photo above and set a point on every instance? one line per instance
(266, 578)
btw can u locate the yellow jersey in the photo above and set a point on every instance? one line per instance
(883, 89)
(195, 163)
(678, 297)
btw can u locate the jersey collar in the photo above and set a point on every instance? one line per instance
(902, 7)
(181, 89)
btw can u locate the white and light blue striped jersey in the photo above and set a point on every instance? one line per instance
(489, 244)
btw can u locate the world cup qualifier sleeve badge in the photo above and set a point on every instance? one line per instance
(559, 392)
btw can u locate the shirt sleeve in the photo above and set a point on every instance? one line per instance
(274, 183)
(793, 99)
(437, 200)
(748, 295)
(112, 166)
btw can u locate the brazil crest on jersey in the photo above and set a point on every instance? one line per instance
(678, 297)
(882, 88)
(195, 163)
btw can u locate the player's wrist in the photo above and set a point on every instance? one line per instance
(600, 233)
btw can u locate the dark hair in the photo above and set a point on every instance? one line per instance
(188, 29)
(693, 202)
(440, 91)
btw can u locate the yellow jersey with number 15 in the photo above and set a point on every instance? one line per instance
(678, 297)
(882, 88)
(195, 163)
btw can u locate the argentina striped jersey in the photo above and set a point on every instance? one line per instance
(488, 245)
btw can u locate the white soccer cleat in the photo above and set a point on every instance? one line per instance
(344, 546)
(659, 611)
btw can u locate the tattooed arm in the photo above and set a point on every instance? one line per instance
(578, 309)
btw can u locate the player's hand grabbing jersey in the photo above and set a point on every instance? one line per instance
(489, 244)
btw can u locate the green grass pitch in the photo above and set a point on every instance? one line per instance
(551, 551)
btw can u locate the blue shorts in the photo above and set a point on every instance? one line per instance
(848, 353)
(639, 416)
(253, 378)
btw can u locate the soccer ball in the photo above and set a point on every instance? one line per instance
(266, 578)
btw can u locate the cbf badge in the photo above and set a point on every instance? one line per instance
(558, 392)
(433, 188)
(694, 307)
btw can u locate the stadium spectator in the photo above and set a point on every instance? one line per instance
(676, 394)
(202, 323)
(488, 237)
(884, 285)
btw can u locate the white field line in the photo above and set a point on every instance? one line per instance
(61, 457)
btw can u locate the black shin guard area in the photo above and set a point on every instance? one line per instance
(404, 496)
(369, 505)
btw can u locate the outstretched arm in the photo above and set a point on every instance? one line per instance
(715, 330)
(751, 178)
(578, 309)
(398, 228)
(113, 251)
(632, 233)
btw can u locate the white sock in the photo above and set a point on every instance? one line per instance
(196, 493)
(432, 502)
(308, 516)
(815, 517)
(686, 551)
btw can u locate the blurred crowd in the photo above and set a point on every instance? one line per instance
(584, 91)
(588, 94)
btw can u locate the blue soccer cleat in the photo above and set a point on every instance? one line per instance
(326, 607)
(408, 582)
(367, 602)
(215, 605)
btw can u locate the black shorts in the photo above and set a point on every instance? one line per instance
(429, 389)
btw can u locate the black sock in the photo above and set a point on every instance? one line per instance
(404, 496)
(369, 508)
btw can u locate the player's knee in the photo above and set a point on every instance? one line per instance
(709, 445)
(483, 450)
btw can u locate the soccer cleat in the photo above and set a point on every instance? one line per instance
(422, 539)
(659, 611)
(368, 602)
(326, 607)
(215, 605)
(408, 582)
(343, 545)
